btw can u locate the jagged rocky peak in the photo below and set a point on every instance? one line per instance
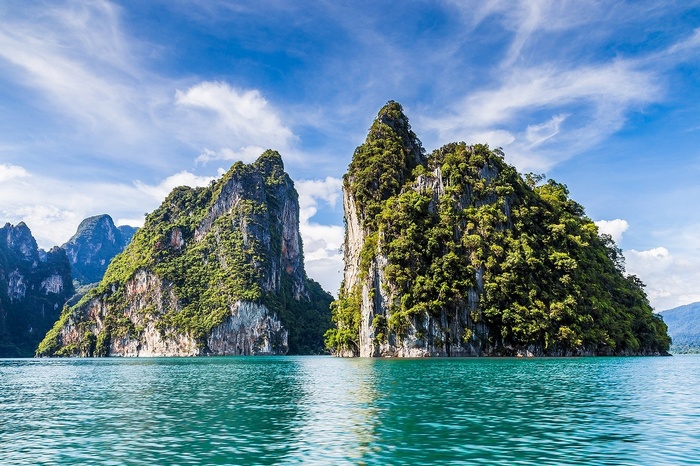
(93, 246)
(19, 239)
(456, 254)
(214, 270)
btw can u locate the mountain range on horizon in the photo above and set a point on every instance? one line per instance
(35, 284)
(683, 327)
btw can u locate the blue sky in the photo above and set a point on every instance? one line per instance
(106, 106)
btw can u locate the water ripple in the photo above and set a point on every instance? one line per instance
(321, 410)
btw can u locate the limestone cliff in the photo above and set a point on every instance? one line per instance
(33, 287)
(456, 254)
(214, 271)
(94, 245)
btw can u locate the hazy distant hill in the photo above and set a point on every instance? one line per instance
(94, 245)
(684, 328)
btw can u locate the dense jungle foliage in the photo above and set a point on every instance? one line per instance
(463, 221)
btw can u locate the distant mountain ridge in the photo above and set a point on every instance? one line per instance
(683, 327)
(94, 245)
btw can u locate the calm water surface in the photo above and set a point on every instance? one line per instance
(322, 410)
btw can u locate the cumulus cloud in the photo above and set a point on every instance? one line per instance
(614, 228)
(671, 279)
(310, 192)
(183, 178)
(232, 118)
(53, 208)
(323, 258)
(7, 172)
(644, 262)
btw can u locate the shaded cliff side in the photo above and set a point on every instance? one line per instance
(33, 287)
(456, 254)
(214, 271)
(94, 245)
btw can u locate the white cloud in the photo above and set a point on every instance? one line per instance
(602, 94)
(311, 191)
(233, 118)
(537, 134)
(495, 138)
(530, 89)
(245, 154)
(671, 279)
(650, 261)
(7, 172)
(183, 178)
(614, 228)
(78, 58)
(323, 258)
(554, 106)
(132, 222)
(53, 208)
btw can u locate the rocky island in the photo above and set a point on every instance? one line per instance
(456, 254)
(214, 271)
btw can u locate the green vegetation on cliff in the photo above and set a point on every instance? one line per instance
(236, 240)
(462, 233)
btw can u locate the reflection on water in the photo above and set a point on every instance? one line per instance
(322, 410)
(338, 410)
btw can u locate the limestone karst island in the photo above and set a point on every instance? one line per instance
(451, 253)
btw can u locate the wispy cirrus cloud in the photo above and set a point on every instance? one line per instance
(550, 97)
(77, 57)
(580, 107)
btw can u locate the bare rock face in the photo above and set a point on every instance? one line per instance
(214, 271)
(34, 284)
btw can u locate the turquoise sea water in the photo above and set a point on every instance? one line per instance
(322, 410)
